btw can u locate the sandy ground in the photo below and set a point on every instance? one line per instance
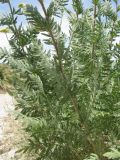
(6, 107)
(6, 104)
(7, 127)
(11, 132)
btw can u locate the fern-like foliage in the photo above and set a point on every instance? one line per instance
(68, 96)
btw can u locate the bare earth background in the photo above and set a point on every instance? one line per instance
(12, 135)
(9, 128)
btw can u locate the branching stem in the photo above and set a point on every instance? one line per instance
(73, 98)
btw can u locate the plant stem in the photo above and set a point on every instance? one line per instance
(94, 23)
(73, 98)
(15, 27)
(11, 10)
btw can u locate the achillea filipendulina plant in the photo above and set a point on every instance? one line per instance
(69, 97)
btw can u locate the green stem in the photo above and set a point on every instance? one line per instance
(15, 27)
(11, 10)
(73, 98)
(94, 24)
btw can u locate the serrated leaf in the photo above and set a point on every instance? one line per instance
(113, 154)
